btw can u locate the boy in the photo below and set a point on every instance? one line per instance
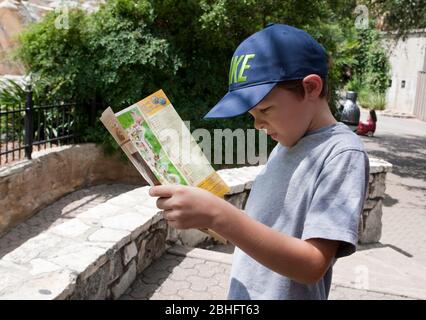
(304, 207)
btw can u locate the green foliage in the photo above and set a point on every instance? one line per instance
(12, 97)
(372, 100)
(372, 66)
(60, 57)
(131, 48)
(11, 94)
(398, 15)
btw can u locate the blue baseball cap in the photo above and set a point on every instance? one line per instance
(274, 54)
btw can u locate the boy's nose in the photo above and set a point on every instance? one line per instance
(258, 124)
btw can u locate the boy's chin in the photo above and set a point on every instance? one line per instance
(287, 144)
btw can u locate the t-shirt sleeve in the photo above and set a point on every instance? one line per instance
(338, 200)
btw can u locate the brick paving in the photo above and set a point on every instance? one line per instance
(181, 278)
(175, 277)
(347, 293)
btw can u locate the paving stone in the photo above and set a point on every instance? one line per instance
(12, 275)
(126, 221)
(201, 284)
(218, 293)
(171, 286)
(81, 258)
(345, 293)
(125, 201)
(143, 291)
(207, 270)
(165, 264)
(45, 287)
(71, 229)
(181, 274)
(40, 266)
(151, 276)
(189, 294)
(178, 282)
(119, 237)
(34, 247)
(189, 263)
(161, 296)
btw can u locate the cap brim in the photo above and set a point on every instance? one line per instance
(239, 101)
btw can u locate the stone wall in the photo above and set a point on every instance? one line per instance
(370, 226)
(30, 185)
(121, 267)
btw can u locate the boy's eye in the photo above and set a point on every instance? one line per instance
(265, 110)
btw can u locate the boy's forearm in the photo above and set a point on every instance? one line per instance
(288, 256)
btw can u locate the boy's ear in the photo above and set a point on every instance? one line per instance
(312, 85)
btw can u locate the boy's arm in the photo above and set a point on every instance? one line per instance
(304, 261)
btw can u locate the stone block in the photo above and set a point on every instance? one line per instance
(378, 187)
(124, 282)
(94, 287)
(130, 251)
(371, 224)
(116, 267)
(151, 248)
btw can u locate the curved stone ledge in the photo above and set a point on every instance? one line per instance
(30, 185)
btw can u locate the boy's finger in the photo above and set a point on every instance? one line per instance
(164, 203)
(168, 215)
(162, 191)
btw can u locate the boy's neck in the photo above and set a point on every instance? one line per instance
(322, 118)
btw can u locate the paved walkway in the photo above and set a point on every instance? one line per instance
(199, 276)
(402, 142)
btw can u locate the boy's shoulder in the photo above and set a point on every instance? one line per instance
(341, 141)
(343, 138)
(325, 143)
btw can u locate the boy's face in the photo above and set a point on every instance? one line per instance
(285, 116)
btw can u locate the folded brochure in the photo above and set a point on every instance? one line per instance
(161, 147)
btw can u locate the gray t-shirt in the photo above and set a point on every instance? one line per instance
(315, 189)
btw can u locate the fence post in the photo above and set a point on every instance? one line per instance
(28, 122)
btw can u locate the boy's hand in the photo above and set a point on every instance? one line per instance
(187, 207)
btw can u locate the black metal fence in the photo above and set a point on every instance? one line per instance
(29, 128)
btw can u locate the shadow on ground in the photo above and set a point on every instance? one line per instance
(363, 247)
(406, 153)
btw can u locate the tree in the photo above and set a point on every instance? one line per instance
(399, 15)
(130, 48)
